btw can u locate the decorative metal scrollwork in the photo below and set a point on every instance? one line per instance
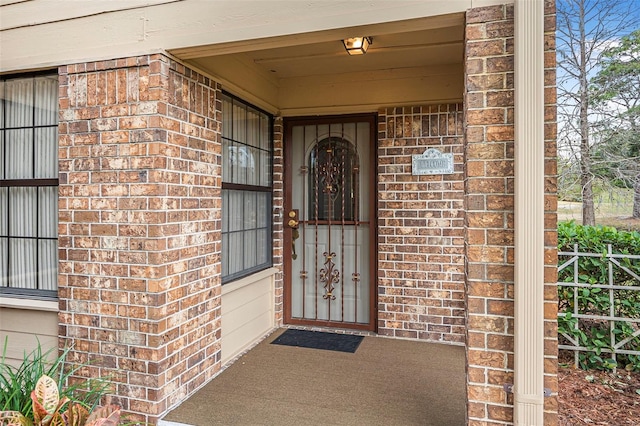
(329, 275)
(331, 175)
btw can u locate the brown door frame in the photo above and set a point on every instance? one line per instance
(289, 123)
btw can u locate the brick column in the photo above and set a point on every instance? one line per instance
(489, 186)
(140, 204)
(278, 220)
(550, 217)
(420, 226)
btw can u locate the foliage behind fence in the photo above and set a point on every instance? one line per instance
(599, 296)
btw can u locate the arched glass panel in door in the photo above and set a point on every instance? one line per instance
(333, 166)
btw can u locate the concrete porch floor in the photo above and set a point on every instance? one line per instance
(385, 382)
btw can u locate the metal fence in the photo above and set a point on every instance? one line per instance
(584, 311)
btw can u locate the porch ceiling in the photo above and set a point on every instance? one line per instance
(388, 51)
(409, 62)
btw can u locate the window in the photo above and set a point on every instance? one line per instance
(29, 185)
(247, 157)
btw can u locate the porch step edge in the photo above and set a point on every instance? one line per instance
(170, 423)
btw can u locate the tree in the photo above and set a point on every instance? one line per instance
(615, 92)
(585, 28)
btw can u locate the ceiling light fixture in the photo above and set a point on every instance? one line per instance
(357, 45)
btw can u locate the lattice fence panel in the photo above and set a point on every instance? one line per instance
(600, 308)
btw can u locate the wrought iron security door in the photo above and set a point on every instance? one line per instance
(329, 222)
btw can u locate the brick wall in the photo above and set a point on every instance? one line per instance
(489, 231)
(420, 226)
(140, 203)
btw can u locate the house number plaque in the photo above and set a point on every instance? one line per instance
(432, 162)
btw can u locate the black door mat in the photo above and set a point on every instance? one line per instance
(319, 340)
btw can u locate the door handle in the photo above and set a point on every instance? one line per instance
(294, 237)
(293, 223)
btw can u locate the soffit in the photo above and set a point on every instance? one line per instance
(407, 52)
(415, 43)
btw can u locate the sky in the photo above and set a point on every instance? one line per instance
(605, 21)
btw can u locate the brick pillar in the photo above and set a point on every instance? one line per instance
(489, 187)
(278, 220)
(140, 204)
(550, 216)
(420, 226)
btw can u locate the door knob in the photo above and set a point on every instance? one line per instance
(293, 219)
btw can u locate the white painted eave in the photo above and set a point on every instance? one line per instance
(45, 33)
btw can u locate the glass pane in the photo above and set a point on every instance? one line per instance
(241, 161)
(46, 98)
(4, 257)
(226, 160)
(19, 152)
(239, 123)
(253, 128)
(236, 252)
(263, 246)
(4, 211)
(249, 252)
(252, 166)
(2, 96)
(235, 210)
(48, 268)
(48, 217)
(19, 102)
(264, 209)
(225, 210)
(22, 212)
(2, 154)
(265, 134)
(46, 155)
(265, 169)
(225, 255)
(22, 263)
(246, 144)
(250, 210)
(227, 118)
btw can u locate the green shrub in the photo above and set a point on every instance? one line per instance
(595, 334)
(16, 383)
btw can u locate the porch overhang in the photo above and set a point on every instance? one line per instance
(412, 62)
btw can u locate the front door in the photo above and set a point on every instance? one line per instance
(330, 222)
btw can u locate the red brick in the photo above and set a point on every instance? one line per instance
(110, 237)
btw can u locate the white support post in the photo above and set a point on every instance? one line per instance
(529, 213)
